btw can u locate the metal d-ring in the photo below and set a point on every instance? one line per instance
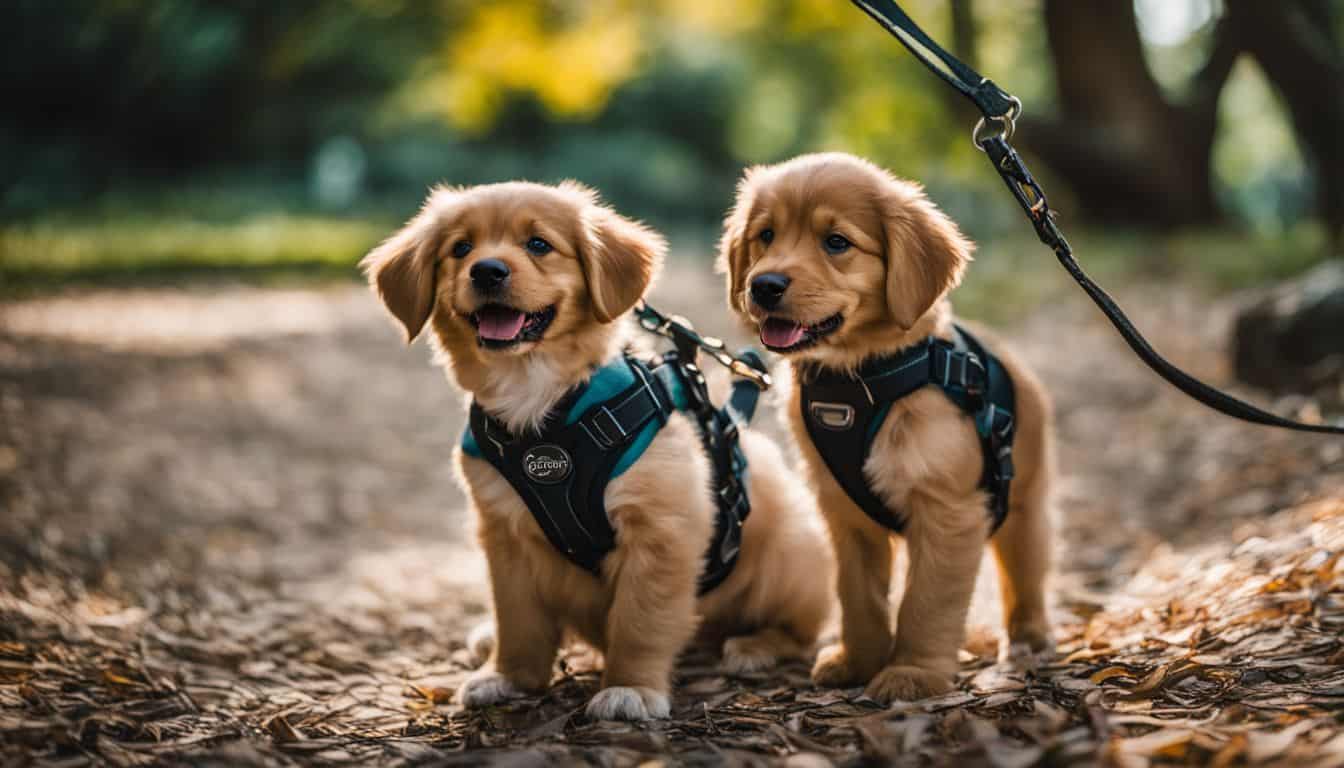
(1005, 123)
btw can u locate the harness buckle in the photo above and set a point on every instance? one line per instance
(963, 370)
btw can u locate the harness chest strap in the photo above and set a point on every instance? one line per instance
(843, 412)
(594, 435)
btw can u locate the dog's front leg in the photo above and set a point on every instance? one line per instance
(863, 578)
(526, 636)
(652, 618)
(944, 542)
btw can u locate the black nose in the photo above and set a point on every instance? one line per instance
(768, 289)
(489, 274)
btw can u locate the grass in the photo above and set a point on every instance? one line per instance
(1011, 272)
(60, 252)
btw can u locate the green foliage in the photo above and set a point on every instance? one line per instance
(236, 114)
(140, 249)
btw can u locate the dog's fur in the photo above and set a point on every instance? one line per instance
(890, 288)
(643, 610)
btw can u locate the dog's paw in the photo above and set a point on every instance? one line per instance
(484, 689)
(902, 683)
(833, 669)
(746, 655)
(1031, 638)
(625, 703)
(481, 642)
(1025, 656)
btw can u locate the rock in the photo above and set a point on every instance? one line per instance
(1292, 340)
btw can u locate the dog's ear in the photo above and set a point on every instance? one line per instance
(620, 258)
(732, 260)
(925, 251)
(402, 269)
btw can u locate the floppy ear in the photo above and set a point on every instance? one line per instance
(732, 261)
(402, 269)
(619, 258)
(926, 252)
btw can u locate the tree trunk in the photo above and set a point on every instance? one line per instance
(1296, 46)
(1129, 154)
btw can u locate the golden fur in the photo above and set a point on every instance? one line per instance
(890, 287)
(643, 610)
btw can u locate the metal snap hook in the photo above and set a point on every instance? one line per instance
(1005, 123)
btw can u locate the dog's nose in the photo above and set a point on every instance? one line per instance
(768, 289)
(489, 274)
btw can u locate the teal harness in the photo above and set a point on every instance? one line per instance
(597, 432)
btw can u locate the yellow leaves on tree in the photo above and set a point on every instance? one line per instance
(571, 59)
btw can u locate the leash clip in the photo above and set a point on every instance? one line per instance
(689, 343)
(1006, 122)
(1027, 192)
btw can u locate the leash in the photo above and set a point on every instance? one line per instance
(991, 134)
(747, 365)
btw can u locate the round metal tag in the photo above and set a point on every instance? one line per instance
(547, 464)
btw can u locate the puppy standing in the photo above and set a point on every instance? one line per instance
(838, 263)
(523, 285)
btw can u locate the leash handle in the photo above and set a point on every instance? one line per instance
(748, 365)
(1001, 109)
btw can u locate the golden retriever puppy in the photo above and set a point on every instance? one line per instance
(523, 286)
(838, 264)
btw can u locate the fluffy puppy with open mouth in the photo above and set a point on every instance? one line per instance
(604, 538)
(906, 421)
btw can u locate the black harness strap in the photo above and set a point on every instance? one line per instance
(562, 471)
(843, 412)
(1001, 108)
(720, 437)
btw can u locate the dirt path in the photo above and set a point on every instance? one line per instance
(230, 532)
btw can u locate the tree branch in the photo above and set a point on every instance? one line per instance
(963, 32)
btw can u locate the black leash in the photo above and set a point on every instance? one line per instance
(991, 135)
(747, 365)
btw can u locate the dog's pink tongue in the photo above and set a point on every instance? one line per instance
(499, 323)
(781, 333)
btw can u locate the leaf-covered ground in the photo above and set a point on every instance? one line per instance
(230, 536)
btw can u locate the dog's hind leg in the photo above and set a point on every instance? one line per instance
(863, 577)
(759, 651)
(481, 642)
(1022, 549)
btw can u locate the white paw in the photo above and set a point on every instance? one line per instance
(744, 656)
(623, 703)
(484, 689)
(481, 641)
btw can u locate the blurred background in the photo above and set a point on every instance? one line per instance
(224, 481)
(152, 139)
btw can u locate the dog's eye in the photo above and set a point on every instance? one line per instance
(538, 247)
(835, 244)
(767, 235)
(461, 248)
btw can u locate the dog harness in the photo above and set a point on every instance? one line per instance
(843, 412)
(597, 432)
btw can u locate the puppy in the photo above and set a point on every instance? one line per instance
(523, 286)
(838, 263)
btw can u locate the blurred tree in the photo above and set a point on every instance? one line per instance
(1134, 154)
(1298, 46)
(108, 90)
(659, 103)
